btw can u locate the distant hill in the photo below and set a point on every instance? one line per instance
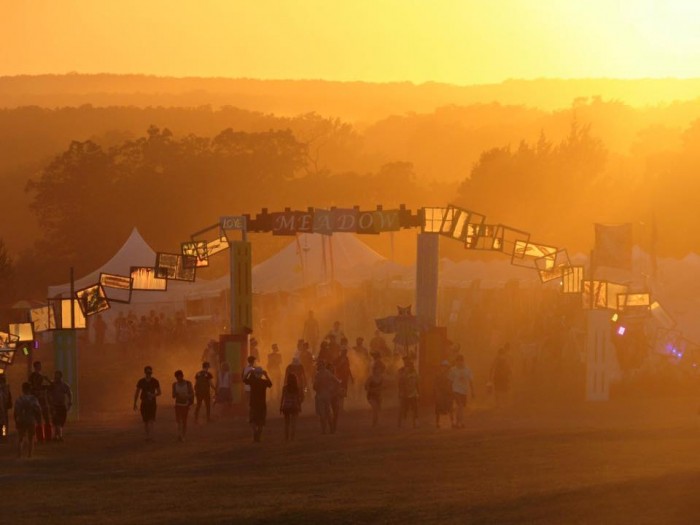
(352, 101)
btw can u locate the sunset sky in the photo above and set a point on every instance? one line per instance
(461, 42)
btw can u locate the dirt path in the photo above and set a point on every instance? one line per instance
(614, 463)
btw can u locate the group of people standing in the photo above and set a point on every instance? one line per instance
(40, 412)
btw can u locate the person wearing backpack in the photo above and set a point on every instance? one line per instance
(290, 406)
(27, 417)
(202, 390)
(183, 394)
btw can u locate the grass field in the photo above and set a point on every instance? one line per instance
(620, 462)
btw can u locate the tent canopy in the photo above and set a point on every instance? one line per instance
(134, 252)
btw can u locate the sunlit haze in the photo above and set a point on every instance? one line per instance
(461, 42)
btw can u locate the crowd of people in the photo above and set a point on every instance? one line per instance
(40, 412)
(329, 374)
(326, 368)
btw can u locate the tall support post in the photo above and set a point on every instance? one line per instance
(431, 338)
(234, 346)
(65, 344)
(427, 260)
(601, 361)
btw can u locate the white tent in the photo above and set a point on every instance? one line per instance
(134, 252)
(310, 260)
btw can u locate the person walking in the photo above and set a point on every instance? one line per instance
(27, 412)
(183, 394)
(248, 368)
(223, 387)
(60, 400)
(274, 369)
(326, 387)
(296, 369)
(462, 385)
(443, 393)
(203, 387)
(408, 391)
(259, 382)
(500, 376)
(147, 389)
(39, 384)
(311, 331)
(290, 406)
(373, 387)
(344, 374)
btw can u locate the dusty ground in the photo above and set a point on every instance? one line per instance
(622, 462)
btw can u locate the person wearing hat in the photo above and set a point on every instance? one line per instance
(443, 393)
(408, 391)
(258, 381)
(203, 386)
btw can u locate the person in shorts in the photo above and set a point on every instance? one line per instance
(183, 394)
(462, 384)
(203, 387)
(60, 401)
(147, 389)
(27, 412)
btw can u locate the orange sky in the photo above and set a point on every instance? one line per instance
(462, 42)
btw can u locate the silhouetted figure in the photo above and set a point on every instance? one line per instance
(223, 387)
(326, 387)
(443, 393)
(374, 386)
(60, 400)
(312, 332)
(147, 389)
(290, 406)
(501, 375)
(274, 369)
(39, 383)
(27, 412)
(203, 387)
(462, 385)
(296, 369)
(259, 382)
(408, 391)
(183, 394)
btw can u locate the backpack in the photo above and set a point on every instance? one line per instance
(24, 412)
(291, 401)
(202, 382)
